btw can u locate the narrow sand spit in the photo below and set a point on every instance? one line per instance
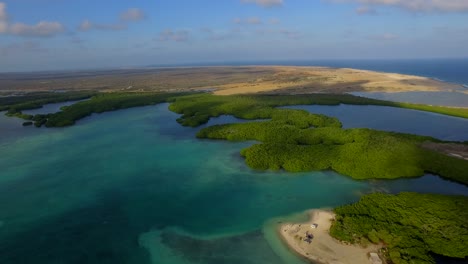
(323, 248)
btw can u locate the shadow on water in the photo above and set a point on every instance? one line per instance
(246, 248)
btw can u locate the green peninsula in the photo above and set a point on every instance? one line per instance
(293, 140)
(410, 225)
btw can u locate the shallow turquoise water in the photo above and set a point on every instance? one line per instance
(134, 186)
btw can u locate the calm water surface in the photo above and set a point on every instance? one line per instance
(395, 119)
(134, 186)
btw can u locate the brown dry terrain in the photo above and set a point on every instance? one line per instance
(450, 149)
(225, 80)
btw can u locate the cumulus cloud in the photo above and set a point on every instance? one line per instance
(133, 14)
(87, 25)
(170, 35)
(3, 13)
(264, 3)
(129, 15)
(3, 27)
(41, 29)
(416, 5)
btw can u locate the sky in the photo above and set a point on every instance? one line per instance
(40, 35)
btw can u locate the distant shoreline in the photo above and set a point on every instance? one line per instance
(228, 80)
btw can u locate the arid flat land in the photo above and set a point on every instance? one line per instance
(223, 80)
(450, 149)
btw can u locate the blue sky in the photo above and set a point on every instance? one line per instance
(66, 34)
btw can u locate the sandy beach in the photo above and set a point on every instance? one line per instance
(304, 80)
(322, 248)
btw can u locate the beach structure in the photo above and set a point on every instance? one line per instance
(374, 258)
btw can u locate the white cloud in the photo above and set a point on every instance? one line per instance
(3, 27)
(129, 15)
(133, 14)
(3, 13)
(3, 18)
(416, 5)
(264, 3)
(87, 25)
(41, 29)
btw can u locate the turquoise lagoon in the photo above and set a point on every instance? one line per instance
(133, 186)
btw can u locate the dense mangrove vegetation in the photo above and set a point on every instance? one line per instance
(103, 103)
(198, 108)
(288, 140)
(410, 225)
(296, 140)
(191, 106)
(15, 104)
(98, 103)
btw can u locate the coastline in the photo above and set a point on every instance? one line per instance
(323, 249)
